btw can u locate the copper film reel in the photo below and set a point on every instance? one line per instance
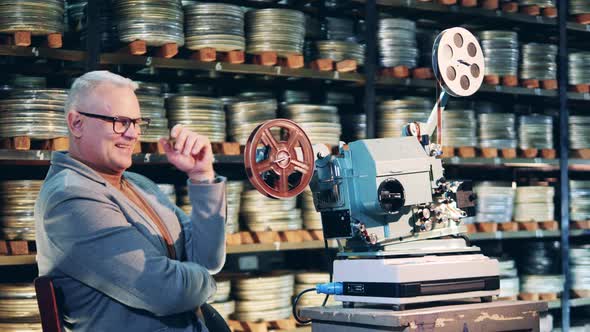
(287, 164)
(458, 62)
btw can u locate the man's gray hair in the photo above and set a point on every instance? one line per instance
(85, 84)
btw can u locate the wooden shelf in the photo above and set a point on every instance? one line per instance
(388, 82)
(18, 260)
(490, 16)
(513, 235)
(311, 245)
(216, 68)
(42, 157)
(181, 64)
(298, 329)
(501, 162)
(237, 249)
(223, 67)
(538, 234)
(554, 304)
(278, 246)
(43, 53)
(580, 302)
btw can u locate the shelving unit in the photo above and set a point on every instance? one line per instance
(354, 79)
(388, 82)
(42, 157)
(313, 245)
(457, 11)
(70, 63)
(318, 244)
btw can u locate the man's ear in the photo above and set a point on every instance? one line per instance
(75, 123)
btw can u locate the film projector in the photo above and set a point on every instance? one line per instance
(388, 198)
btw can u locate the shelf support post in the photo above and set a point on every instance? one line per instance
(562, 77)
(93, 35)
(371, 19)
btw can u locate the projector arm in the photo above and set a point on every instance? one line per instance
(435, 118)
(420, 129)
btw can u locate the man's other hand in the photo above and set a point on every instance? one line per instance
(190, 153)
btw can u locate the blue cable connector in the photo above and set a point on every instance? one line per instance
(330, 288)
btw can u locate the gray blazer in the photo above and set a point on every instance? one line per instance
(109, 261)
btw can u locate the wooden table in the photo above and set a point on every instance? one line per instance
(462, 317)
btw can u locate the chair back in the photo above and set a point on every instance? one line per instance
(46, 299)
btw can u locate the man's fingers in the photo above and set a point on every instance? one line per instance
(202, 142)
(175, 130)
(166, 145)
(186, 142)
(189, 144)
(205, 150)
(181, 139)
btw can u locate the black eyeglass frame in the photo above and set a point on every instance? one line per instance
(115, 119)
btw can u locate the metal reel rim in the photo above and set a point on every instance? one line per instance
(250, 150)
(479, 60)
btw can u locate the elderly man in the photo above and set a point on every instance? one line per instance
(124, 257)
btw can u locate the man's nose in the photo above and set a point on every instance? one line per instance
(133, 131)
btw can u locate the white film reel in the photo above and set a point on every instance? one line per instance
(458, 62)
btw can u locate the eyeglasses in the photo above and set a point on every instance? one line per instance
(120, 123)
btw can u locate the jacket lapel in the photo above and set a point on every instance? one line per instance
(133, 213)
